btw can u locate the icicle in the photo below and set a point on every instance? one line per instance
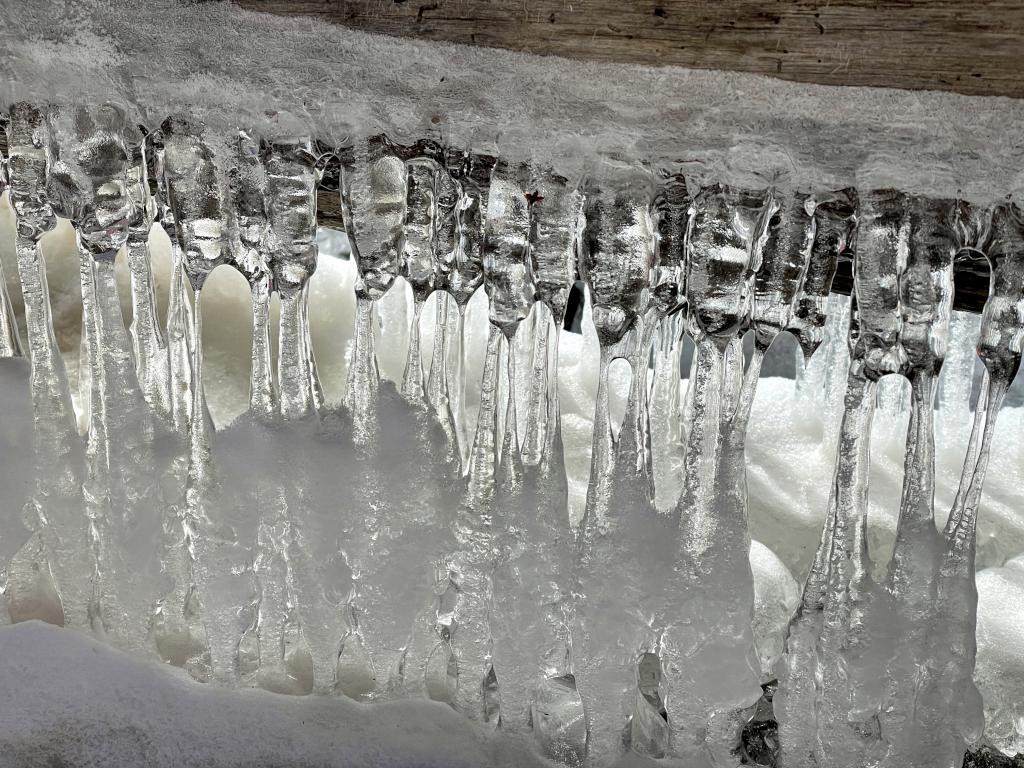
(10, 339)
(179, 325)
(195, 194)
(148, 342)
(44, 580)
(292, 177)
(835, 222)
(926, 299)
(555, 219)
(508, 281)
(88, 181)
(616, 259)
(727, 232)
(373, 203)
(668, 290)
(251, 247)
(951, 692)
(417, 259)
(445, 247)
(467, 273)
(848, 713)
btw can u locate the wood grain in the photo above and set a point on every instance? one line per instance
(968, 46)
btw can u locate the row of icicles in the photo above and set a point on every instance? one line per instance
(658, 256)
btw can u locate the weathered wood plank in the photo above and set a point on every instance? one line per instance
(968, 46)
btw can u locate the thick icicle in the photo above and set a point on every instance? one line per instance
(445, 246)
(45, 578)
(251, 247)
(835, 223)
(292, 177)
(668, 297)
(10, 339)
(179, 324)
(610, 635)
(373, 204)
(417, 253)
(926, 301)
(950, 695)
(555, 219)
(88, 181)
(710, 684)
(508, 282)
(196, 195)
(467, 275)
(851, 687)
(148, 341)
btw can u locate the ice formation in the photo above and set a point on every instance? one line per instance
(400, 545)
(548, 533)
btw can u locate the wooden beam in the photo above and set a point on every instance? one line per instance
(968, 46)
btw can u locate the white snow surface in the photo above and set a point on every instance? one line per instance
(70, 700)
(229, 67)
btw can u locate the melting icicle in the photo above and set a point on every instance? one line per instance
(668, 290)
(148, 341)
(926, 299)
(835, 222)
(617, 255)
(292, 177)
(555, 217)
(418, 256)
(88, 181)
(44, 580)
(615, 262)
(196, 197)
(508, 282)
(374, 193)
(250, 253)
(467, 274)
(850, 689)
(10, 339)
(179, 324)
(708, 687)
(530, 623)
(950, 696)
(445, 247)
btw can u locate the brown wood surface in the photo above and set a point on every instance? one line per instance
(968, 46)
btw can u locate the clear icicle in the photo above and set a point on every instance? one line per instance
(44, 578)
(951, 689)
(251, 247)
(417, 251)
(617, 255)
(835, 226)
(179, 325)
(708, 690)
(196, 195)
(668, 297)
(148, 341)
(555, 217)
(88, 181)
(373, 203)
(292, 177)
(926, 299)
(445, 251)
(849, 712)
(10, 339)
(474, 174)
(509, 285)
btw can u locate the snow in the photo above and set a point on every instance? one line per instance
(70, 700)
